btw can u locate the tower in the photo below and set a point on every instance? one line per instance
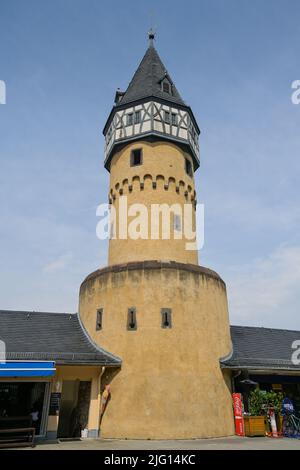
(153, 305)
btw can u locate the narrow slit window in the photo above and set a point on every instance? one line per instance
(167, 117)
(99, 319)
(131, 319)
(166, 318)
(174, 119)
(136, 157)
(137, 117)
(129, 119)
(112, 234)
(188, 168)
(177, 222)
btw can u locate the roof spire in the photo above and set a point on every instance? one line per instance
(151, 37)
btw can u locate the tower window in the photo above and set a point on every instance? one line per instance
(99, 319)
(188, 168)
(166, 87)
(109, 134)
(193, 133)
(131, 319)
(136, 157)
(129, 119)
(174, 119)
(112, 234)
(167, 117)
(166, 318)
(177, 222)
(137, 117)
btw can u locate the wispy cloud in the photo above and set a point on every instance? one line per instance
(59, 263)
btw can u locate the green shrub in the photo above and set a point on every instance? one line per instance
(260, 401)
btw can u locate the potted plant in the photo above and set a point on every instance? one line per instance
(255, 422)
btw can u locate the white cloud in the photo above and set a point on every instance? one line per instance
(266, 292)
(58, 264)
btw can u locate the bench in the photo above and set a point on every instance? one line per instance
(16, 432)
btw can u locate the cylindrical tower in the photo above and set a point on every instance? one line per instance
(154, 306)
(161, 184)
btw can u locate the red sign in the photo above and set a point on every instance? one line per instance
(238, 414)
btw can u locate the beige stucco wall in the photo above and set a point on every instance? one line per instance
(153, 182)
(170, 384)
(83, 373)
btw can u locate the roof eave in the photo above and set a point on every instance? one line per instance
(156, 134)
(260, 368)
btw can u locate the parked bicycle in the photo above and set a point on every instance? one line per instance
(291, 423)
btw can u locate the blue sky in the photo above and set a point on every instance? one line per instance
(233, 61)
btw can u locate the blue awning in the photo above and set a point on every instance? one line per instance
(27, 369)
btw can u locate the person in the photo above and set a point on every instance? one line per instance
(35, 416)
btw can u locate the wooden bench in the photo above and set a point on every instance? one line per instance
(17, 431)
(17, 437)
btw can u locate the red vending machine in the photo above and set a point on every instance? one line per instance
(238, 414)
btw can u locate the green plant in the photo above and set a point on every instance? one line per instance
(275, 400)
(257, 400)
(260, 401)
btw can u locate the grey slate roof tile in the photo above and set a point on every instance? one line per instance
(261, 348)
(146, 81)
(50, 336)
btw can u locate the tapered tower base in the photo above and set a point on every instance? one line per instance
(170, 385)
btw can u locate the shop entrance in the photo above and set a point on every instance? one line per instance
(23, 403)
(74, 408)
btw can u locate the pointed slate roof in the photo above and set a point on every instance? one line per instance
(147, 79)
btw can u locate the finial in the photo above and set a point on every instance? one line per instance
(151, 36)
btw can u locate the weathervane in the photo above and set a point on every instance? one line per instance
(152, 32)
(151, 37)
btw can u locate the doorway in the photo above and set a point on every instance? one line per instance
(74, 408)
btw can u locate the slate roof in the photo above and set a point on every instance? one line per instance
(261, 348)
(146, 81)
(58, 337)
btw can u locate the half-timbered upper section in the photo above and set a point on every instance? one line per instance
(151, 109)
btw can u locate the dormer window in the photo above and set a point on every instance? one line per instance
(166, 87)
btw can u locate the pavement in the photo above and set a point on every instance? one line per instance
(228, 443)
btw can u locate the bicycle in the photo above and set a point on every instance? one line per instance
(291, 426)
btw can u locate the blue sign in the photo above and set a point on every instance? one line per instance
(27, 369)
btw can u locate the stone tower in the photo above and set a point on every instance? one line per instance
(165, 316)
